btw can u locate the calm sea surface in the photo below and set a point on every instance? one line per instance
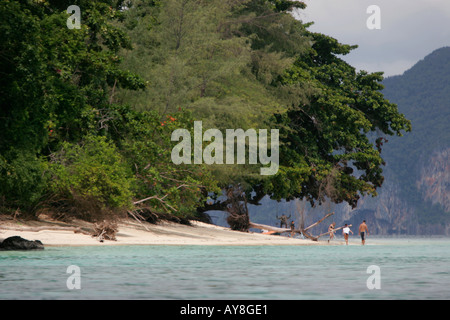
(413, 268)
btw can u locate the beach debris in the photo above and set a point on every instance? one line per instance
(238, 217)
(303, 231)
(138, 218)
(105, 230)
(19, 243)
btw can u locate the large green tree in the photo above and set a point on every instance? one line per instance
(232, 64)
(215, 58)
(332, 119)
(56, 83)
(331, 145)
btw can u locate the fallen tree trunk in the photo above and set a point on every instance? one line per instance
(302, 231)
(138, 220)
(105, 231)
(270, 228)
(315, 224)
(281, 230)
(307, 235)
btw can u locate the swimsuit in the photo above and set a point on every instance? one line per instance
(346, 232)
(363, 235)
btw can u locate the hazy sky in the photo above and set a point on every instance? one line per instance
(410, 30)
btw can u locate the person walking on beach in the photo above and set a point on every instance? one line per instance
(331, 231)
(345, 232)
(363, 232)
(292, 229)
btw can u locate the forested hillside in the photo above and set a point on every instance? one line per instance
(87, 114)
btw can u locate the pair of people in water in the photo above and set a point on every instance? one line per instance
(363, 232)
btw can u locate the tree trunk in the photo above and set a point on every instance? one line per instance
(302, 231)
(270, 228)
(238, 218)
(315, 224)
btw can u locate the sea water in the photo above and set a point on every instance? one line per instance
(413, 268)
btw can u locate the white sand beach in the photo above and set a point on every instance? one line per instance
(134, 233)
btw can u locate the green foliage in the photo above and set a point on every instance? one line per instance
(232, 64)
(23, 71)
(330, 134)
(92, 169)
(52, 76)
(23, 179)
(210, 58)
(220, 60)
(145, 142)
(51, 79)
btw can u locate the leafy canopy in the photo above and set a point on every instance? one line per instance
(90, 111)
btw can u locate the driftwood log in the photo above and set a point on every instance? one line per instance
(302, 231)
(321, 220)
(105, 230)
(270, 228)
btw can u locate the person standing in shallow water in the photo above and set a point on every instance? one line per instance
(363, 232)
(345, 232)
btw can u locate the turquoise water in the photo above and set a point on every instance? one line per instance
(409, 269)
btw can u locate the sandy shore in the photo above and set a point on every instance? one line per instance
(133, 233)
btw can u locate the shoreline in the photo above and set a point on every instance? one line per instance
(130, 232)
